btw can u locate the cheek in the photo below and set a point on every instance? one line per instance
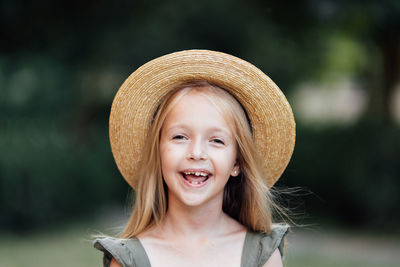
(170, 157)
(165, 158)
(225, 159)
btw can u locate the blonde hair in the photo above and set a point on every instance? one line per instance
(246, 197)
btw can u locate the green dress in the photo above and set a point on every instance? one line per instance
(257, 249)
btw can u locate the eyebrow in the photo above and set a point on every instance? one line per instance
(212, 129)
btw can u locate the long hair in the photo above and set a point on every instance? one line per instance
(246, 197)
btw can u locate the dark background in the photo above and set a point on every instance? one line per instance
(61, 63)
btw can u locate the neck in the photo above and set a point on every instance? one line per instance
(195, 221)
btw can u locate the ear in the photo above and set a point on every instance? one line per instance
(236, 170)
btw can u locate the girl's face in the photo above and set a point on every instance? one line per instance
(198, 151)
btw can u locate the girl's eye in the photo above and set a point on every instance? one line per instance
(178, 137)
(218, 141)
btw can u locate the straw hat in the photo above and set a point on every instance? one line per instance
(137, 100)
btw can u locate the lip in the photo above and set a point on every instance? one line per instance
(190, 185)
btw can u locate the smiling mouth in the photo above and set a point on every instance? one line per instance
(195, 177)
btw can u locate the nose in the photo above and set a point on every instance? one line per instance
(197, 151)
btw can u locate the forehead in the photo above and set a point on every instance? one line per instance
(221, 99)
(196, 107)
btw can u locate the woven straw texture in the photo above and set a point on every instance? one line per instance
(139, 96)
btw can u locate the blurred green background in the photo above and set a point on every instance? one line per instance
(61, 63)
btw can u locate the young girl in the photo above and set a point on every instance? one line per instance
(200, 136)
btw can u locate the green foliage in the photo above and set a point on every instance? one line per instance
(55, 162)
(352, 173)
(62, 62)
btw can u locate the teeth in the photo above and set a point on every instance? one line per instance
(196, 173)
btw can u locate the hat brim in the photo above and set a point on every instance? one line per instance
(137, 100)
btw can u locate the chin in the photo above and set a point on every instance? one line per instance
(199, 201)
(193, 202)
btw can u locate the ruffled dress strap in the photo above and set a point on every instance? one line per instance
(128, 252)
(258, 247)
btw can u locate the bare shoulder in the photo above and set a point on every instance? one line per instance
(275, 260)
(114, 263)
